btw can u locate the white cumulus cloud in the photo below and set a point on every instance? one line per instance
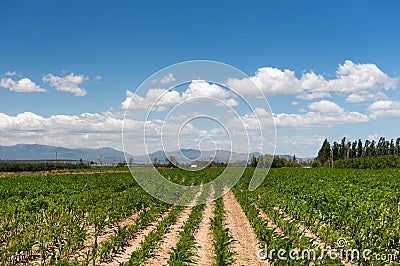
(363, 97)
(167, 79)
(326, 107)
(200, 90)
(89, 130)
(22, 85)
(197, 91)
(385, 108)
(11, 73)
(160, 98)
(271, 81)
(318, 119)
(70, 83)
(350, 78)
(353, 77)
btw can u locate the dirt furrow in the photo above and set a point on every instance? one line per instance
(246, 245)
(204, 237)
(105, 235)
(135, 242)
(270, 224)
(171, 237)
(169, 241)
(316, 240)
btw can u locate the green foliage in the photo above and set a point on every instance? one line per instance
(55, 214)
(123, 234)
(11, 166)
(316, 164)
(222, 240)
(377, 162)
(371, 155)
(273, 161)
(361, 206)
(151, 240)
(324, 153)
(52, 216)
(183, 253)
(255, 202)
(278, 162)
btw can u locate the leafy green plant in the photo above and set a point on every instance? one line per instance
(222, 240)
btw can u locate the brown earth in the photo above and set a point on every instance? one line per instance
(246, 245)
(135, 243)
(270, 224)
(171, 237)
(308, 233)
(204, 237)
(105, 235)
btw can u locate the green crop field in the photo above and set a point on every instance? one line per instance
(108, 219)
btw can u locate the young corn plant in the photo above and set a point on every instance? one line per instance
(222, 240)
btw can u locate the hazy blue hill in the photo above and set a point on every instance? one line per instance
(189, 155)
(109, 155)
(45, 152)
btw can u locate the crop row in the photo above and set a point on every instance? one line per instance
(360, 206)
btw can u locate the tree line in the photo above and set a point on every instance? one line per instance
(24, 166)
(273, 161)
(345, 150)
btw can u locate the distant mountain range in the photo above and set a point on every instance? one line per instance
(110, 155)
(190, 155)
(44, 152)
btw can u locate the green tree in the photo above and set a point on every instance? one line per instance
(380, 147)
(278, 162)
(172, 162)
(342, 148)
(373, 148)
(324, 153)
(260, 161)
(367, 149)
(156, 161)
(392, 148)
(131, 162)
(335, 151)
(359, 149)
(353, 153)
(254, 161)
(398, 146)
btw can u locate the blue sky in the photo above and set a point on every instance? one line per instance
(101, 49)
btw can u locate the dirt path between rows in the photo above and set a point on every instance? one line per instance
(169, 241)
(134, 243)
(270, 224)
(105, 235)
(308, 233)
(246, 245)
(171, 237)
(204, 237)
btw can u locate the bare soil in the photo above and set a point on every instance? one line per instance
(169, 241)
(246, 245)
(106, 234)
(316, 240)
(134, 243)
(270, 224)
(171, 237)
(204, 237)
